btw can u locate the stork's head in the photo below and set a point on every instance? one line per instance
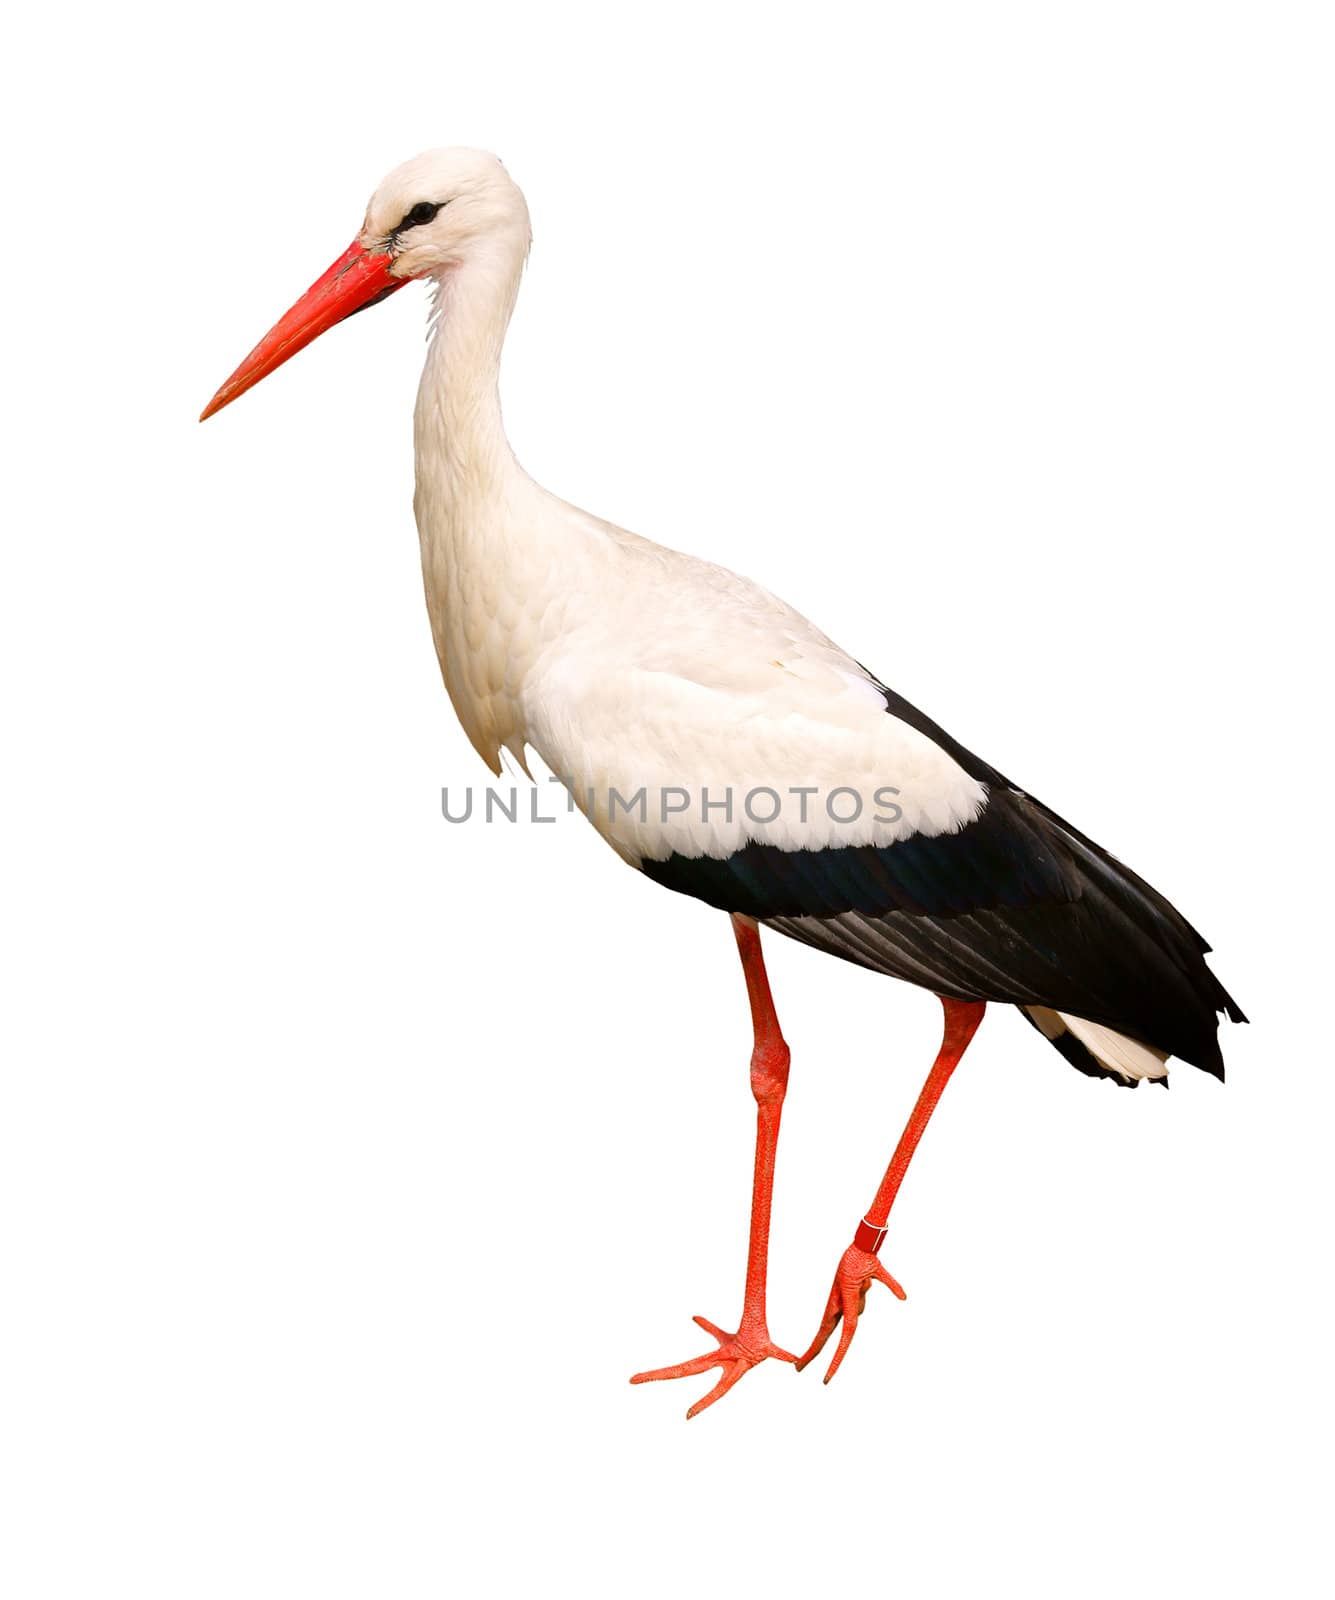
(435, 213)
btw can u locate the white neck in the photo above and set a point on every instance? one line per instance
(457, 423)
(485, 527)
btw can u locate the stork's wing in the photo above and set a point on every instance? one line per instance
(1014, 905)
(963, 883)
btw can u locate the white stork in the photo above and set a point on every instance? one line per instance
(726, 748)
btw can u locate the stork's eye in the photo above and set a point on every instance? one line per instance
(423, 211)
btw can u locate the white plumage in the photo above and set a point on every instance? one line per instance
(628, 667)
(625, 665)
(726, 747)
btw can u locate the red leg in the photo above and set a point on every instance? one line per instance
(751, 1344)
(859, 1266)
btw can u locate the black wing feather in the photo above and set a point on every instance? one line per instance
(1016, 906)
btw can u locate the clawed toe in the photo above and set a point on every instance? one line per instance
(737, 1354)
(855, 1274)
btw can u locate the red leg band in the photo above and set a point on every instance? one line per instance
(868, 1237)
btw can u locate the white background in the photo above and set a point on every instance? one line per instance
(351, 1162)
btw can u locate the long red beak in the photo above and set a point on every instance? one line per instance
(356, 280)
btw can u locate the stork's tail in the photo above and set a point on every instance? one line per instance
(1098, 1051)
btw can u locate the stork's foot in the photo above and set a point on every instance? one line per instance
(852, 1278)
(737, 1354)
